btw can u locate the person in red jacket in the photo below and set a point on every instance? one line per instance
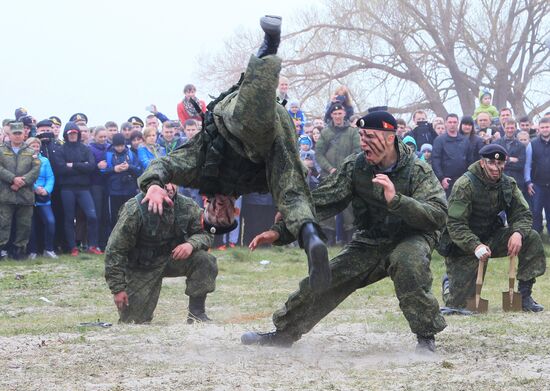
(186, 110)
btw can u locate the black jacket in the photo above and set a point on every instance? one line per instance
(82, 158)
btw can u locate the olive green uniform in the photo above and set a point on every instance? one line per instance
(335, 144)
(256, 151)
(18, 204)
(138, 255)
(394, 240)
(474, 207)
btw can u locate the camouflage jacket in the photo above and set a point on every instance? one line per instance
(334, 145)
(475, 205)
(186, 167)
(21, 164)
(419, 205)
(143, 240)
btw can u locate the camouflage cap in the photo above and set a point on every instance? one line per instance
(16, 127)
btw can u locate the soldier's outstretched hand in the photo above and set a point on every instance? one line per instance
(182, 251)
(121, 300)
(156, 196)
(514, 244)
(389, 188)
(266, 237)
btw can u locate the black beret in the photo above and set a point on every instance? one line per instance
(378, 120)
(336, 106)
(44, 122)
(219, 230)
(136, 121)
(493, 151)
(55, 120)
(77, 117)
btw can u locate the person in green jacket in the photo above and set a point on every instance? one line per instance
(489, 218)
(338, 140)
(399, 208)
(19, 169)
(485, 105)
(145, 247)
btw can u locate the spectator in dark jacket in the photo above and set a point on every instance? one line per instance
(99, 149)
(449, 154)
(515, 163)
(475, 143)
(122, 171)
(74, 164)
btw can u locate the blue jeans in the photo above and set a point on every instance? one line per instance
(70, 198)
(43, 223)
(541, 200)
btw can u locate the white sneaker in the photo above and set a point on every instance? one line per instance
(33, 255)
(50, 254)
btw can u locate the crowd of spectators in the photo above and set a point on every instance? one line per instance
(62, 185)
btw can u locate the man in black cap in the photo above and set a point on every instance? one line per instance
(338, 140)
(247, 145)
(489, 218)
(399, 208)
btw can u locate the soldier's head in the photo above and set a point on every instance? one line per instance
(337, 113)
(377, 132)
(16, 134)
(219, 212)
(493, 160)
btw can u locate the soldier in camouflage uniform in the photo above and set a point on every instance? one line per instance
(145, 247)
(19, 169)
(476, 207)
(338, 140)
(248, 144)
(399, 208)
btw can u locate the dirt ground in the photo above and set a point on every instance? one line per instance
(346, 356)
(365, 344)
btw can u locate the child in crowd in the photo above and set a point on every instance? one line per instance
(426, 153)
(485, 106)
(411, 143)
(307, 156)
(297, 115)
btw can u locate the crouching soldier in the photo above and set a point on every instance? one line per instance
(478, 203)
(145, 247)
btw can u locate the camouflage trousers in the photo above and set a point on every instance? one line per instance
(23, 219)
(462, 269)
(266, 133)
(359, 264)
(143, 285)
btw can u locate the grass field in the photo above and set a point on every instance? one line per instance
(365, 344)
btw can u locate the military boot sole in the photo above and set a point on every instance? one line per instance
(320, 275)
(271, 25)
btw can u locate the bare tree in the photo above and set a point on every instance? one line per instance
(429, 54)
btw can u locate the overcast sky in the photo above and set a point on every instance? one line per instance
(109, 59)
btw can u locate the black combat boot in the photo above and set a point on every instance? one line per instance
(425, 345)
(317, 258)
(272, 29)
(197, 310)
(272, 338)
(527, 302)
